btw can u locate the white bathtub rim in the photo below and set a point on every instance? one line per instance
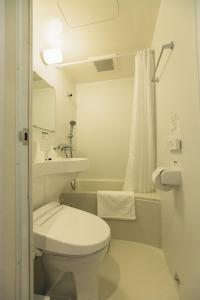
(154, 197)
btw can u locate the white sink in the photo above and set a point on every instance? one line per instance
(59, 166)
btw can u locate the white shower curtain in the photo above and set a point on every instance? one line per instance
(142, 147)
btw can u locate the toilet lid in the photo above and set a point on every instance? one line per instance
(69, 231)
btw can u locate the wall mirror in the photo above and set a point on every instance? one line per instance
(44, 104)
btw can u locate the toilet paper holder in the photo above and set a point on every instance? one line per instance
(166, 178)
(171, 176)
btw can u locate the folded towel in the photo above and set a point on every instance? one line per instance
(116, 205)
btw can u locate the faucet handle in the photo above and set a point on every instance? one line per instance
(60, 147)
(63, 147)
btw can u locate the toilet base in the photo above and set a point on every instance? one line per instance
(75, 277)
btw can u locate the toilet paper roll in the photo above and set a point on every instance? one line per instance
(156, 178)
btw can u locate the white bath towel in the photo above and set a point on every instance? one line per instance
(116, 205)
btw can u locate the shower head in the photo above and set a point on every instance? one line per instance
(72, 122)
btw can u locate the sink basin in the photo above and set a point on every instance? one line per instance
(59, 166)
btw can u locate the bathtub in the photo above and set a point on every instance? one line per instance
(94, 185)
(147, 226)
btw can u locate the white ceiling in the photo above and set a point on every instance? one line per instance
(126, 31)
(81, 13)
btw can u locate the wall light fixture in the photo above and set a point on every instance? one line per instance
(52, 56)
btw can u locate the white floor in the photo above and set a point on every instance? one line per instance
(133, 271)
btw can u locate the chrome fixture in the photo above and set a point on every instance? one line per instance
(164, 47)
(72, 124)
(73, 184)
(68, 147)
(71, 135)
(177, 279)
(65, 148)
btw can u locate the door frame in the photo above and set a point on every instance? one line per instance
(24, 284)
(16, 258)
(197, 7)
(23, 150)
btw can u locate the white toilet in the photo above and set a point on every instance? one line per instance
(40, 297)
(71, 242)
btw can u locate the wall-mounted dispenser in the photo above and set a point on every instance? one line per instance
(166, 178)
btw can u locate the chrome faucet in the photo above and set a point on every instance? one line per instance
(65, 148)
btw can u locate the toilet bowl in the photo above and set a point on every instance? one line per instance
(72, 243)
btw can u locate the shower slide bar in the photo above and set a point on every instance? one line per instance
(164, 47)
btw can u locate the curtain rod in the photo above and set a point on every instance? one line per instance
(164, 47)
(92, 59)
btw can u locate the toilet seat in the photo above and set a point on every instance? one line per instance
(68, 231)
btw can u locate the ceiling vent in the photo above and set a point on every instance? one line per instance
(104, 65)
